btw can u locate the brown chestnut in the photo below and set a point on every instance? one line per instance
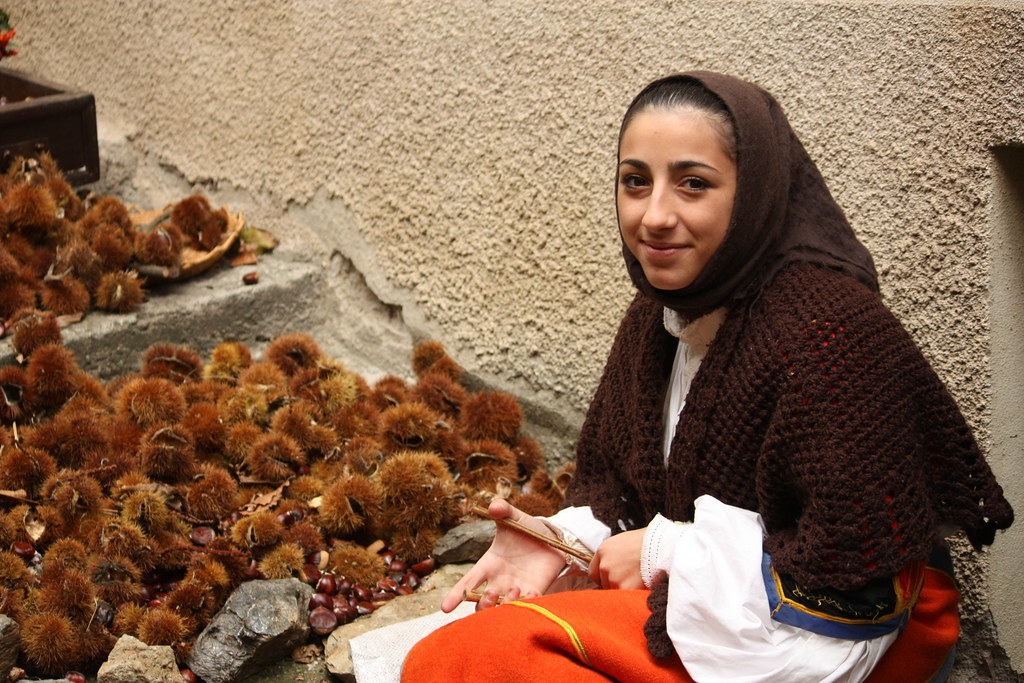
(327, 584)
(319, 558)
(346, 612)
(24, 550)
(425, 567)
(310, 574)
(323, 620)
(321, 600)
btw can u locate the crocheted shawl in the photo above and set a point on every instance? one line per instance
(783, 212)
(813, 407)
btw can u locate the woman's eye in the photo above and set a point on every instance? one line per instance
(633, 181)
(694, 184)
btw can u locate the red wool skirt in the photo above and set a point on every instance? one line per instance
(597, 635)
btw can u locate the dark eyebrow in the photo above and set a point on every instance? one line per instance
(675, 166)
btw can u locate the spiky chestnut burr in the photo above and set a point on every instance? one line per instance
(491, 415)
(227, 360)
(441, 393)
(431, 356)
(359, 565)
(417, 489)
(31, 328)
(53, 374)
(283, 562)
(191, 215)
(274, 457)
(112, 246)
(65, 296)
(486, 462)
(161, 627)
(107, 210)
(161, 246)
(293, 352)
(176, 363)
(259, 531)
(150, 402)
(70, 436)
(31, 211)
(409, 426)
(50, 644)
(348, 504)
(167, 453)
(202, 420)
(119, 291)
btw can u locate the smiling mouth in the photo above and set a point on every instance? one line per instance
(663, 249)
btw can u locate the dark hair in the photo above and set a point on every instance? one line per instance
(681, 92)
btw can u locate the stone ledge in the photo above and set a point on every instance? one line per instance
(292, 296)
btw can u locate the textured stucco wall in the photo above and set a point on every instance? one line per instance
(457, 155)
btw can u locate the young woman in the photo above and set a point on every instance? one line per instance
(769, 465)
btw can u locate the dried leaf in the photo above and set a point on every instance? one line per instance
(306, 654)
(246, 256)
(18, 495)
(69, 319)
(261, 240)
(263, 501)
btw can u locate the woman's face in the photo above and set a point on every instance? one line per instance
(675, 193)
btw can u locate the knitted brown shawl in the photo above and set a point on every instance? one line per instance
(813, 407)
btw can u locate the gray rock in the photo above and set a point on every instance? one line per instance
(10, 633)
(425, 600)
(465, 543)
(262, 622)
(131, 661)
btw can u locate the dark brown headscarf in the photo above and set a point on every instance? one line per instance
(783, 212)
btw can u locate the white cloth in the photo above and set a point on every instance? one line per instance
(377, 655)
(694, 340)
(718, 615)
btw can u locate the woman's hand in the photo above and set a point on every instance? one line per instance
(616, 563)
(514, 566)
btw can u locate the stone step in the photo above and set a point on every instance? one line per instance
(292, 295)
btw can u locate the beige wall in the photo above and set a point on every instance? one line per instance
(459, 154)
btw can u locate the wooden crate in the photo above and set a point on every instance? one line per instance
(44, 116)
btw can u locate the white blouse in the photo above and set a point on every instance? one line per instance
(719, 618)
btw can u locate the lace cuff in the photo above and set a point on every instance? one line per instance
(659, 547)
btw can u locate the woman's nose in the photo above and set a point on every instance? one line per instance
(660, 212)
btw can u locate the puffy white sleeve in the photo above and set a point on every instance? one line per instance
(579, 524)
(718, 614)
